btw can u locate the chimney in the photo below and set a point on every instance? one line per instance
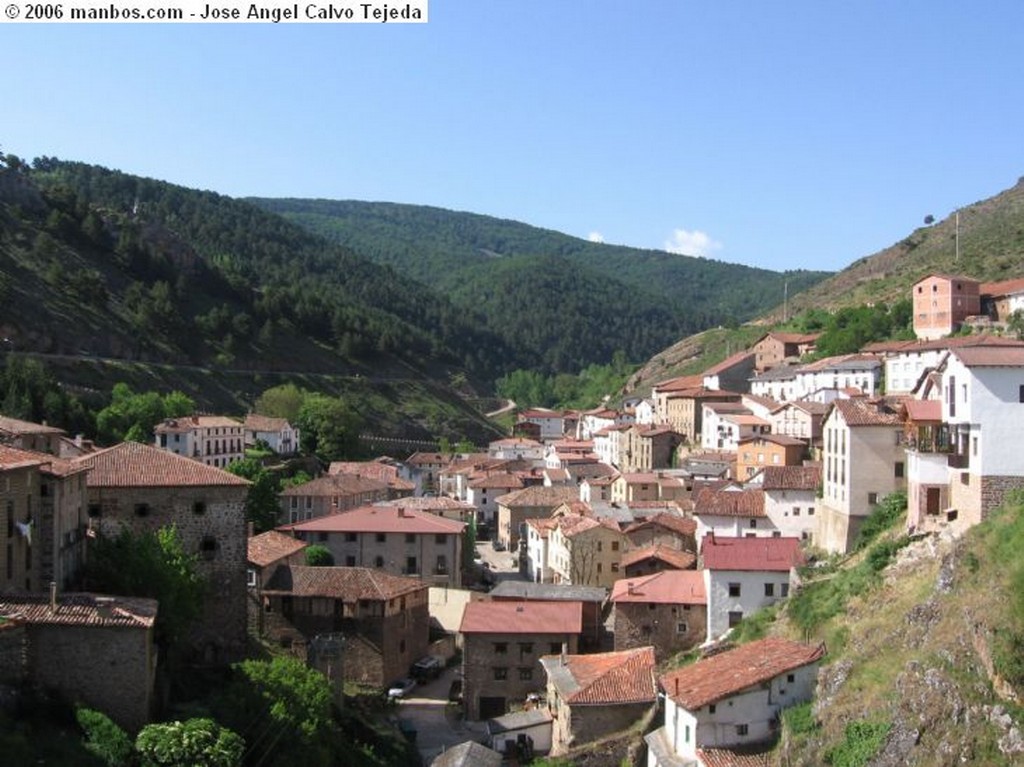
(53, 596)
(401, 511)
(630, 588)
(105, 607)
(677, 685)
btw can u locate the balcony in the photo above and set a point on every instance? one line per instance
(959, 461)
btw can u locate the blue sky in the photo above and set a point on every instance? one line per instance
(779, 134)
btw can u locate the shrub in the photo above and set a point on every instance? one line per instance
(861, 741)
(884, 516)
(103, 738)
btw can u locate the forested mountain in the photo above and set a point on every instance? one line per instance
(545, 289)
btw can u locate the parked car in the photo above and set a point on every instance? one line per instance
(429, 667)
(401, 687)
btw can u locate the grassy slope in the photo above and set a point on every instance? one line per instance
(908, 654)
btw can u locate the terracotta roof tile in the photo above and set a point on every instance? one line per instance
(685, 526)
(335, 484)
(257, 422)
(672, 587)
(729, 503)
(752, 756)
(607, 678)
(923, 410)
(790, 477)
(727, 673)
(17, 426)
(538, 495)
(379, 519)
(132, 464)
(267, 548)
(522, 618)
(349, 584)
(991, 356)
(81, 610)
(751, 554)
(857, 412)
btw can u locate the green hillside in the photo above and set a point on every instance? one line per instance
(547, 290)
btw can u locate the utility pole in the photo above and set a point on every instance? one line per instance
(785, 301)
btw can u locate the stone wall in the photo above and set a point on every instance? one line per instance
(636, 625)
(587, 724)
(109, 669)
(211, 524)
(13, 653)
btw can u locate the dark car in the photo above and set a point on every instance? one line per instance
(429, 667)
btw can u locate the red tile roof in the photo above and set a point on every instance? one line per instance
(257, 422)
(754, 756)
(17, 426)
(349, 584)
(1003, 288)
(682, 382)
(751, 554)
(522, 618)
(379, 519)
(729, 503)
(607, 678)
(81, 610)
(857, 412)
(671, 587)
(132, 464)
(271, 546)
(991, 356)
(729, 362)
(13, 458)
(423, 503)
(683, 525)
(727, 673)
(499, 481)
(332, 485)
(921, 410)
(188, 423)
(538, 495)
(680, 560)
(790, 477)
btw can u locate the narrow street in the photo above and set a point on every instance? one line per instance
(438, 723)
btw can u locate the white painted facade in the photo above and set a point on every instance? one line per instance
(517, 449)
(537, 568)
(791, 513)
(644, 413)
(752, 712)
(733, 526)
(734, 594)
(903, 370)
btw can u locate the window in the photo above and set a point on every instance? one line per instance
(350, 537)
(500, 673)
(712, 708)
(250, 577)
(741, 729)
(791, 678)
(500, 648)
(785, 590)
(525, 648)
(410, 565)
(94, 510)
(769, 589)
(440, 539)
(199, 508)
(615, 545)
(142, 509)
(615, 567)
(350, 561)
(682, 628)
(753, 523)
(810, 511)
(735, 616)
(872, 499)
(442, 565)
(556, 648)
(378, 561)
(686, 734)
(796, 511)
(381, 537)
(734, 589)
(410, 537)
(898, 469)
(321, 537)
(525, 674)
(208, 547)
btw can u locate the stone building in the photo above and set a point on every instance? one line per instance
(383, 618)
(667, 610)
(142, 489)
(95, 650)
(502, 646)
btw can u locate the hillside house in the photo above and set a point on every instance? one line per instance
(774, 349)
(551, 423)
(801, 420)
(265, 553)
(593, 421)
(276, 433)
(942, 302)
(45, 639)
(610, 444)
(732, 699)
(591, 598)
(142, 488)
(731, 511)
(44, 500)
(329, 494)
(537, 565)
(629, 488)
(980, 390)
(648, 448)
(667, 610)
(395, 474)
(648, 560)
(790, 496)
(531, 502)
(424, 469)
(211, 439)
(863, 461)
(755, 452)
(502, 646)
(516, 448)
(684, 409)
(731, 374)
(591, 696)
(26, 435)
(584, 551)
(724, 424)
(743, 575)
(663, 529)
(384, 618)
(395, 539)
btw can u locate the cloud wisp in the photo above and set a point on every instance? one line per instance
(695, 243)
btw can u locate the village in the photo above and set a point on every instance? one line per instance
(540, 588)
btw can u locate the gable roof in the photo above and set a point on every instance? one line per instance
(15, 458)
(990, 356)
(94, 610)
(857, 412)
(349, 584)
(684, 526)
(729, 362)
(271, 546)
(335, 484)
(680, 560)
(724, 502)
(257, 422)
(548, 592)
(606, 678)
(522, 618)
(720, 676)
(751, 554)
(790, 477)
(132, 464)
(380, 519)
(468, 754)
(670, 587)
(17, 426)
(539, 495)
